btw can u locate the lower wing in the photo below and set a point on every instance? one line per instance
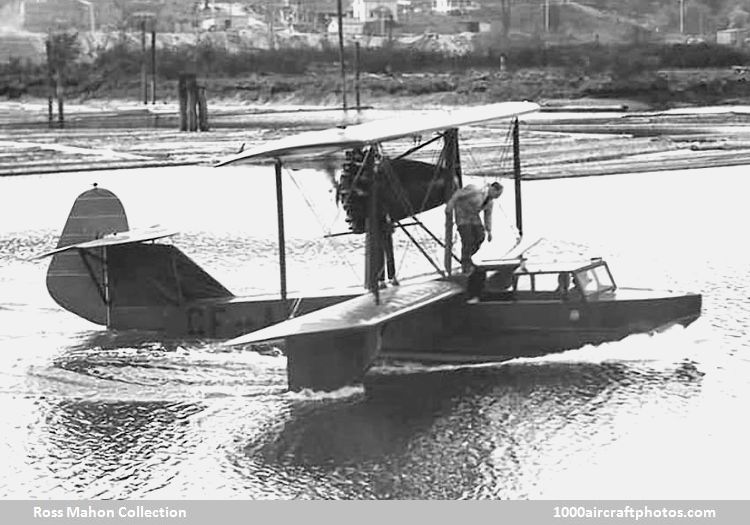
(358, 313)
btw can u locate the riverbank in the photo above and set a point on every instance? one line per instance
(320, 85)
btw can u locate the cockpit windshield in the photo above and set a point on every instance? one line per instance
(594, 279)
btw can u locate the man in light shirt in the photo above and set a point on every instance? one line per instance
(467, 203)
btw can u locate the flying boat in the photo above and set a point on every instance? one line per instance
(123, 279)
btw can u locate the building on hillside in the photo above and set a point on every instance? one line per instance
(178, 16)
(365, 10)
(454, 6)
(351, 27)
(732, 37)
(316, 15)
(47, 15)
(221, 16)
(184, 16)
(137, 12)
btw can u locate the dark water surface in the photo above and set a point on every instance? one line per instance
(93, 414)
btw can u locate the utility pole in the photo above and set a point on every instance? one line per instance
(153, 63)
(147, 20)
(340, 17)
(682, 16)
(546, 16)
(144, 87)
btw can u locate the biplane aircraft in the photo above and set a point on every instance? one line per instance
(112, 276)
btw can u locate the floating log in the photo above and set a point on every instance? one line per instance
(584, 109)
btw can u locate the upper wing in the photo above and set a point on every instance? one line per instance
(335, 139)
(359, 312)
(126, 237)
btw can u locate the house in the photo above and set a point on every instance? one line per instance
(221, 16)
(316, 15)
(350, 26)
(46, 15)
(732, 37)
(364, 10)
(453, 6)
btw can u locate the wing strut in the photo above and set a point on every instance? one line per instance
(422, 250)
(374, 234)
(452, 177)
(434, 237)
(280, 220)
(517, 176)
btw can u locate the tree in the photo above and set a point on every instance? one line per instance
(738, 17)
(64, 50)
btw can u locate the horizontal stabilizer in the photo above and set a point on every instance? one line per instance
(127, 237)
(360, 312)
(335, 139)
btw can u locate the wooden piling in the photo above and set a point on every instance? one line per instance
(182, 96)
(50, 83)
(193, 106)
(202, 109)
(192, 103)
(60, 93)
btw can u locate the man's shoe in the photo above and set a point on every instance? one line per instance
(473, 300)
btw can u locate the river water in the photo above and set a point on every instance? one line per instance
(93, 414)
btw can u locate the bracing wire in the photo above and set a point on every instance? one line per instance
(401, 193)
(325, 228)
(502, 160)
(511, 225)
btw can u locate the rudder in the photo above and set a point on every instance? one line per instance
(76, 280)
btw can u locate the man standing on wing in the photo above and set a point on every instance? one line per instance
(468, 202)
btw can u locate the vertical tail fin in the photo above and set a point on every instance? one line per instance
(76, 280)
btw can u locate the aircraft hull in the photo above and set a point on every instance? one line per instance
(221, 318)
(502, 329)
(448, 331)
